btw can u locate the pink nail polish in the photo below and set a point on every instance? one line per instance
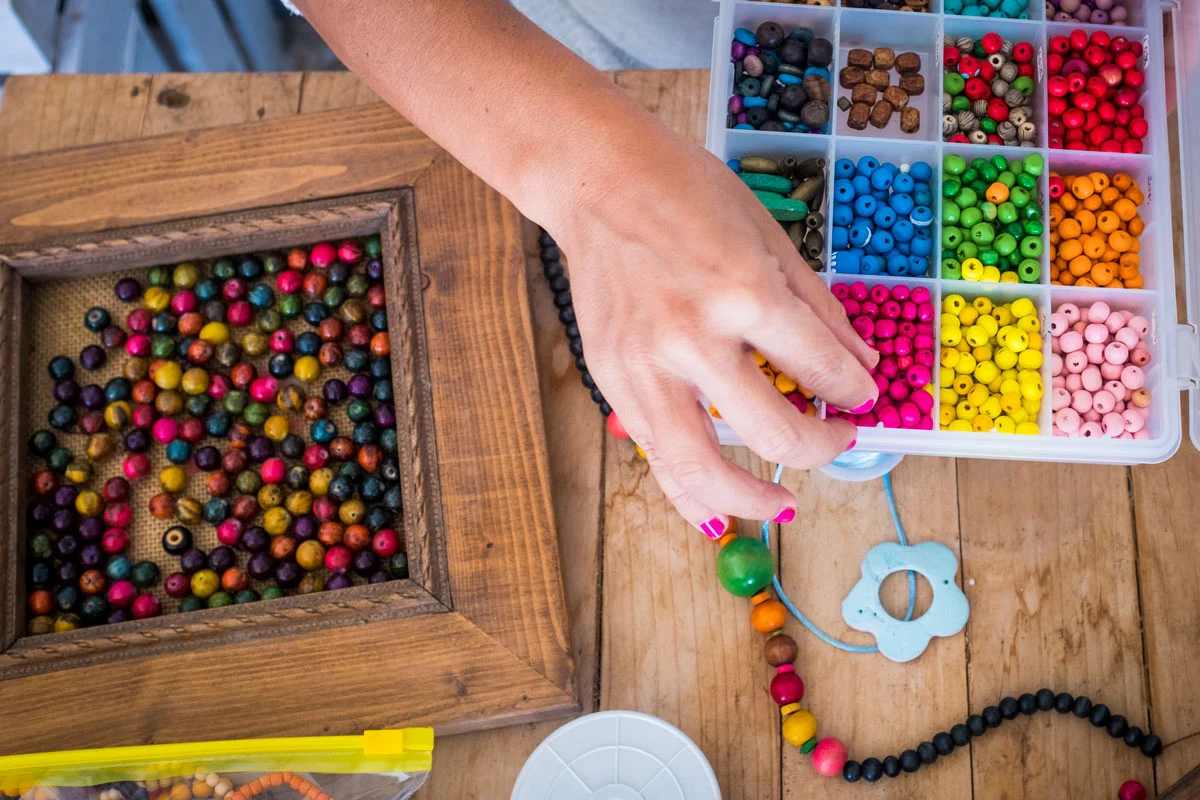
(850, 446)
(785, 516)
(864, 408)
(713, 528)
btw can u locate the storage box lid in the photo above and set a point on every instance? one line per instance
(1186, 19)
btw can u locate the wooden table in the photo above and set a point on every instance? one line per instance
(1083, 579)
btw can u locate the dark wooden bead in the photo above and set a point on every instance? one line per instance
(560, 284)
(177, 540)
(1045, 699)
(1099, 717)
(562, 299)
(572, 331)
(891, 766)
(770, 35)
(1117, 726)
(1009, 708)
(976, 725)
(552, 270)
(927, 752)
(1027, 703)
(872, 770)
(550, 253)
(588, 380)
(1151, 745)
(605, 409)
(852, 771)
(943, 744)
(961, 735)
(545, 239)
(597, 397)
(780, 650)
(1063, 703)
(1082, 707)
(1134, 736)
(576, 347)
(566, 315)
(910, 761)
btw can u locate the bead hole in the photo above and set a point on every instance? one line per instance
(893, 595)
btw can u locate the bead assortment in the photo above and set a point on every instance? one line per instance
(780, 80)
(999, 9)
(1095, 12)
(873, 99)
(1099, 356)
(992, 227)
(882, 220)
(306, 492)
(793, 191)
(1095, 230)
(1095, 84)
(988, 91)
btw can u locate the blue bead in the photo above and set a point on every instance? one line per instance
(866, 165)
(864, 205)
(880, 196)
(918, 266)
(791, 126)
(819, 71)
(921, 246)
(802, 128)
(882, 242)
(840, 237)
(881, 178)
(843, 215)
(734, 164)
(843, 191)
(860, 235)
(743, 126)
(862, 184)
(921, 216)
(745, 36)
(902, 231)
(862, 221)
(845, 261)
(921, 171)
(804, 34)
(788, 79)
(884, 217)
(843, 168)
(897, 265)
(872, 265)
(903, 183)
(754, 102)
(923, 197)
(902, 204)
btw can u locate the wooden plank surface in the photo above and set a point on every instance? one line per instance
(187, 102)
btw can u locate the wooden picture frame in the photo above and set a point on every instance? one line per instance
(477, 636)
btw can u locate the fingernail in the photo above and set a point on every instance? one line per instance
(785, 516)
(713, 528)
(850, 446)
(864, 408)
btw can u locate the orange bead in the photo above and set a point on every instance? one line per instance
(1135, 195)
(1068, 202)
(381, 344)
(1122, 181)
(1099, 181)
(1136, 225)
(1069, 229)
(996, 193)
(1081, 187)
(1086, 220)
(768, 616)
(1120, 241)
(1102, 274)
(1092, 203)
(1136, 282)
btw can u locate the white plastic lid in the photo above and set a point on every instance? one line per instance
(1187, 91)
(617, 755)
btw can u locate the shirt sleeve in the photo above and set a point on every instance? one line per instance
(288, 5)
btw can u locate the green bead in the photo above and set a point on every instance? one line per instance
(971, 174)
(256, 413)
(989, 211)
(745, 566)
(1024, 85)
(768, 183)
(989, 257)
(290, 305)
(1027, 182)
(1029, 270)
(159, 276)
(220, 600)
(970, 217)
(953, 164)
(248, 482)
(959, 103)
(1034, 227)
(782, 208)
(950, 212)
(1015, 228)
(272, 593)
(373, 247)
(1018, 197)
(967, 250)
(951, 269)
(987, 125)
(967, 197)
(982, 233)
(951, 236)
(1034, 164)
(269, 320)
(1000, 162)
(59, 458)
(980, 186)
(145, 574)
(246, 596)
(1017, 166)
(1031, 247)
(988, 173)
(1005, 244)
(1006, 212)
(955, 83)
(162, 346)
(235, 402)
(190, 604)
(950, 188)
(1006, 178)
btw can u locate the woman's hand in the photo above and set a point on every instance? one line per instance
(678, 274)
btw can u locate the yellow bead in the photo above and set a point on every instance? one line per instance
(946, 414)
(205, 584)
(173, 479)
(307, 368)
(166, 374)
(977, 336)
(1010, 402)
(255, 343)
(960, 425)
(299, 503)
(1031, 406)
(156, 298)
(790, 708)
(270, 495)
(986, 373)
(276, 428)
(310, 555)
(1028, 429)
(116, 415)
(1018, 340)
(1029, 324)
(965, 365)
(994, 386)
(276, 521)
(1035, 340)
(1003, 315)
(982, 304)
(194, 381)
(989, 323)
(1010, 384)
(965, 410)
(972, 269)
(799, 728)
(950, 320)
(1019, 415)
(968, 315)
(1032, 390)
(991, 274)
(947, 397)
(759, 359)
(352, 512)
(89, 503)
(1030, 359)
(978, 395)
(945, 376)
(951, 336)
(785, 384)
(215, 333)
(319, 480)
(1005, 424)
(953, 303)
(949, 358)
(186, 275)
(991, 407)
(1009, 277)
(982, 354)
(981, 423)
(1023, 307)
(962, 384)
(1005, 358)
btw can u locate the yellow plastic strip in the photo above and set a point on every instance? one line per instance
(403, 750)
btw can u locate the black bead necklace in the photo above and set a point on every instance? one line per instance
(942, 744)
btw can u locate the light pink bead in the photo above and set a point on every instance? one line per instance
(1058, 431)
(1103, 401)
(1116, 353)
(1140, 325)
(1058, 382)
(1058, 324)
(1067, 420)
(1115, 322)
(1117, 390)
(890, 417)
(1113, 424)
(1070, 311)
(1091, 378)
(1140, 356)
(1096, 334)
(1059, 399)
(1056, 364)
(1055, 347)
(1073, 382)
(1094, 352)
(1126, 435)
(1126, 315)
(1128, 337)
(1098, 312)
(1110, 372)
(1089, 430)
(1133, 377)
(1071, 341)
(1092, 415)
(923, 400)
(1143, 434)
(1081, 401)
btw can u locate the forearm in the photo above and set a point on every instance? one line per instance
(508, 101)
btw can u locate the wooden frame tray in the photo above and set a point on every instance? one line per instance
(477, 636)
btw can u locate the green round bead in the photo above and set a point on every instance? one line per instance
(1005, 244)
(272, 593)
(1006, 178)
(967, 250)
(1024, 85)
(745, 566)
(951, 269)
(220, 600)
(1031, 247)
(970, 217)
(960, 103)
(988, 172)
(290, 305)
(950, 212)
(989, 257)
(1018, 197)
(1029, 270)
(953, 164)
(1034, 164)
(1027, 182)
(999, 162)
(1006, 212)
(190, 604)
(950, 188)
(373, 247)
(988, 209)
(970, 175)
(967, 197)
(159, 276)
(145, 574)
(951, 236)
(246, 596)
(256, 413)
(1034, 227)
(955, 83)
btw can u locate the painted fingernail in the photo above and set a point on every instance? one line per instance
(864, 408)
(850, 446)
(785, 516)
(713, 528)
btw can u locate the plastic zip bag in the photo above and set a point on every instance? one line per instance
(379, 765)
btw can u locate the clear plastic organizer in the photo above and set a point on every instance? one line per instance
(1173, 343)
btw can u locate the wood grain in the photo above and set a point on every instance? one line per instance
(326, 91)
(876, 706)
(1048, 555)
(189, 102)
(51, 112)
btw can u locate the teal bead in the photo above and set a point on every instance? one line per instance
(145, 574)
(119, 568)
(745, 566)
(223, 269)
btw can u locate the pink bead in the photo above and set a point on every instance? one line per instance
(898, 390)
(903, 363)
(870, 309)
(1135, 419)
(910, 415)
(1128, 337)
(322, 255)
(1071, 341)
(1067, 420)
(1058, 431)
(290, 281)
(1058, 382)
(1056, 364)
(1079, 326)
(1113, 424)
(121, 593)
(890, 417)
(1120, 406)
(830, 756)
(1073, 382)
(887, 368)
(1092, 415)
(1091, 378)
(890, 309)
(907, 327)
(1116, 353)
(1140, 325)
(880, 293)
(1133, 377)
(1142, 434)
(183, 301)
(908, 311)
(904, 346)
(924, 357)
(1115, 322)
(229, 531)
(1117, 390)
(136, 466)
(1055, 347)
(146, 606)
(868, 420)
(786, 686)
(144, 416)
(1103, 401)
(917, 376)
(282, 341)
(218, 386)
(1081, 401)
(274, 470)
(1110, 372)
(233, 289)
(1094, 353)
(166, 430)
(1070, 311)
(923, 401)
(1075, 362)
(240, 314)
(1059, 398)
(853, 309)
(885, 329)
(1098, 312)
(1096, 334)
(1058, 324)
(925, 329)
(900, 292)
(138, 345)
(926, 423)
(920, 295)
(925, 312)
(264, 390)
(1090, 430)
(1140, 356)
(923, 342)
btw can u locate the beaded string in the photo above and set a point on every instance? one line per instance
(746, 568)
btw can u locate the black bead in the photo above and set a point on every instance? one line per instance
(852, 771)
(992, 717)
(560, 284)
(566, 315)
(927, 752)
(976, 725)
(872, 770)
(1117, 726)
(550, 253)
(961, 735)
(588, 380)
(1082, 707)
(943, 744)
(1099, 717)
(545, 239)
(910, 761)
(576, 347)
(561, 300)
(572, 330)
(1134, 736)
(1009, 708)
(605, 409)
(552, 270)
(1027, 703)
(1063, 703)
(580, 364)
(1045, 699)
(1151, 745)
(891, 766)
(597, 397)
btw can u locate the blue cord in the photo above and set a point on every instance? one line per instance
(805, 621)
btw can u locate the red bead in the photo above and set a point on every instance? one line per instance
(1072, 118)
(968, 66)
(786, 686)
(987, 71)
(1138, 111)
(146, 606)
(997, 109)
(1139, 128)
(350, 251)
(1134, 78)
(1094, 55)
(1120, 134)
(1022, 52)
(322, 255)
(118, 515)
(1112, 145)
(1059, 44)
(233, 289)
(114, 541)
(315, 456)
(240, 314)
(977, 89)
(615, 427)
(136, 466)
(289, 281)
(1097, 86)
(1056, 105)
(121, 593)
(283, 341)
(1054, 63)
(992, 43)
(1119, 44)
(143, 416)
(1076, 82)
(385, 543)
(1108, 112)
(1079, 39)
(1099, 135)
(959, 138)
(264, 390)
(1074, 135)
(1131, 790)
(829, 757)
(1136, 48)
(1131, 146)
(950, 55)
(116, 490)
(1025, 71)
(177, 585)
(1100, 39)
(1126, 60)
(324, 508)
(1126, 98)
(218, 386)
(338, 558)
(1090, 120)
(1085, 101)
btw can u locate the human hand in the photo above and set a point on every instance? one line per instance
(678, 275)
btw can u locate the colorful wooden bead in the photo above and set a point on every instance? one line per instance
(745, 566)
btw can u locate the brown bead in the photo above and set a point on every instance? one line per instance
(858, 116)
(844, 103)
(190, 324)
(92, 582)
(353, 311)
(162, 506)
(242, 375)
(188, 509)
(369, 457)
(245, 508)
(136, 369)
(897, 97)
(864, 93)
(907, 63)
(881, 114)
(878, 78)
(381, 344)
(330, 329)
(330, 354)
(200, 352)
(780, 650)
(849, 77)
(169, 403)
(356, 537)
(217, 484)
(101, 446)
(144, 392)
(291, 398)
(92, 422)
(315, 284)
(913, 84)
(315, 408)
(359, 336)
(817, 88)
(233, 462)
(239, 435)
(910, 120)
(44, 482)
(863, 59)
(341, 448)
(283, 547)
(885, 57)
(234, 580)
(377, 297)
(330, 533)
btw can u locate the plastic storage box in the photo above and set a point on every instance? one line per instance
(1174, 345)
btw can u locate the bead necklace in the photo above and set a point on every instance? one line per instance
(746, 568)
